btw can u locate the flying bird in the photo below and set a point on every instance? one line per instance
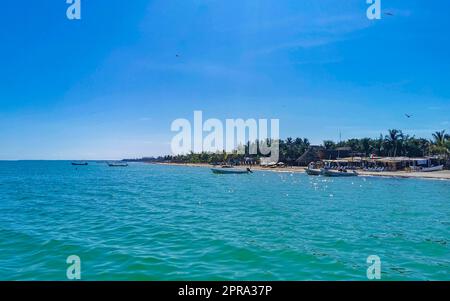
(408, 116)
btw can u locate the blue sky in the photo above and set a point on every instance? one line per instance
(109, 86)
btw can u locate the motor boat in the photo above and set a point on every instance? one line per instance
(231, 171)
(338, 173)
(79, 163)
(432, 168)
(313, 171)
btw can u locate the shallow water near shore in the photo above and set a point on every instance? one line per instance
(152, 222)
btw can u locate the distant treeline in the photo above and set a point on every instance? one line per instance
(394, 144)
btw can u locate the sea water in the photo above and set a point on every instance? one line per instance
(153, 222)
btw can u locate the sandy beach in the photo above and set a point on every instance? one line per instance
(438, 175)
(442, 175)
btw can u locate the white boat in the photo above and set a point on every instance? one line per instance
(433, 168)
(338, 173)
(313, 171)
(231, 171)
(117, 164)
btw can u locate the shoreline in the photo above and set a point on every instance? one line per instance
(435, 175)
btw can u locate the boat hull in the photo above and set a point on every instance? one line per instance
(313, 172)
(335, 173)
(118, 165)
(79, 164)
(224, 171)
(434, 168)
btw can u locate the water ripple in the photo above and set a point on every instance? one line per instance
(149, 222)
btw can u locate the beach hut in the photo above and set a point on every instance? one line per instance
(402, 163)
(313, 154)
(347, 163)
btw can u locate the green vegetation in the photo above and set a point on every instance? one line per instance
(394, 143)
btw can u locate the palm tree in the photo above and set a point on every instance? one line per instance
(440, 143)
(403, 145)
(424, 145)
(378, 145)
(364, 145)
(393, 139)
(439, 138)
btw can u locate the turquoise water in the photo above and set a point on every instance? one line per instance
(149, 222)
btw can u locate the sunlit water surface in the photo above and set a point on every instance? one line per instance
(150, 222)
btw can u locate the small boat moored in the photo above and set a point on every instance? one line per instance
(339, 173)
(79, 163)
(432, 168)
(117, 164)
(231, 171)
(313, 171)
